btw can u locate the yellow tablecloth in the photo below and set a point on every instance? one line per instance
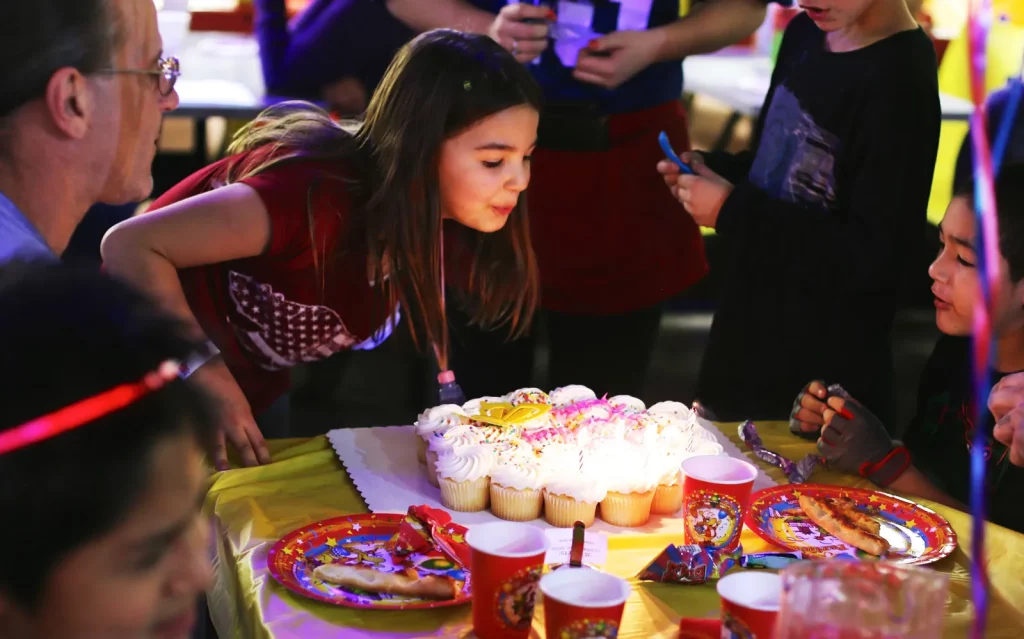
(254, 507)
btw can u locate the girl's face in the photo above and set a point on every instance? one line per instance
(485, 168)
(956, 285)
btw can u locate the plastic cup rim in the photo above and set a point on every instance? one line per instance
(750, 468)
(531, 530)
(626, 589)
(751, 576)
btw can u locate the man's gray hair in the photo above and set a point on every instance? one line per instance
(39, 37)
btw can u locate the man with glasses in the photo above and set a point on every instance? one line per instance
(83, 89)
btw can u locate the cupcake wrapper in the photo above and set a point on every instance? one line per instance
(465, 496)
(431, 469)
(668, 500)
(516, 505)
(627, 509)
(421, 450)
(563, 512)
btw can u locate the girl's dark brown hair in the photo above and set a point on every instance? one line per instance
(438, 85)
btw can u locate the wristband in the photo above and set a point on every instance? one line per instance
(889, 468)
(192, 364)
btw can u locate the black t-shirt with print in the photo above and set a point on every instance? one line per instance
(941, 435)
(815, 235)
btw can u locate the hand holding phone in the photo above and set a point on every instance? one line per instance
(671, 154)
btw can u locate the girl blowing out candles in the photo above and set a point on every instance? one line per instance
(311, 239)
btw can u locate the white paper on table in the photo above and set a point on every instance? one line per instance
(382, 464)
(595, 547)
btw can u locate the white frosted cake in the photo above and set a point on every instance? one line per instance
(567, 455)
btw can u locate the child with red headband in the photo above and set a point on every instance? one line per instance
(101, 475)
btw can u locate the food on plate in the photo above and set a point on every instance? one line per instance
(862, 520)
(407, 583)
(840, 519)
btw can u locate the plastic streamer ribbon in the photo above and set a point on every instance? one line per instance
(978, 24)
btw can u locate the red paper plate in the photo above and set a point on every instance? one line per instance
(917, 534)
(292, 559)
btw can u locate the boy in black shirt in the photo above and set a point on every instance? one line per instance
(939, 439)
(814, 225)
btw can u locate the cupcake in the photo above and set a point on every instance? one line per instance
(472, 407)
(463, 475)
(570, 395)
(456, 437)
(571, 498)
(666, 460)
(516, 490)
(580, 414)
(630, 481)
(672, 409)
(642, 430)
(436, 420)
(527, 396)
(628, 402)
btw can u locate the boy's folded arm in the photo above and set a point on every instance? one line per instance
(884, 182)
(914, 482)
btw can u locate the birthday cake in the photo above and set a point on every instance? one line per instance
(568, 455)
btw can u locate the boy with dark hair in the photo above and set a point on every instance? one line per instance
(102, 521)
(934, 460)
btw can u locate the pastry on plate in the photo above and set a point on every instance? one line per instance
(407, 584)
(841, 520)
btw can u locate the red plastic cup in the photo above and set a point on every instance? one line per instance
(583, 602)
(750, 604)
(506, 564)
(716, 495)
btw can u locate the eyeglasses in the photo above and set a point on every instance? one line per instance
(167, 73)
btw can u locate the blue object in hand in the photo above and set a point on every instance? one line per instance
(670, 153)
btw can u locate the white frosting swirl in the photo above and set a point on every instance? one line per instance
(703, 434)
(570, 395)
(468, 463)
(527, 396)
(516, 451)
(559, 458)
(546, 420)
(628, 402)
(582, 488)
(455, 437)
(673, 409)
(642, 431)
(625, 467)
(439, 419)
(520, 475)
(472, 407)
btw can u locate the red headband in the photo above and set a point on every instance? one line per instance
(87, 410)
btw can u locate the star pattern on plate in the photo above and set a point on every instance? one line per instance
(356, 527)
(331, 543)
(911, 524)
